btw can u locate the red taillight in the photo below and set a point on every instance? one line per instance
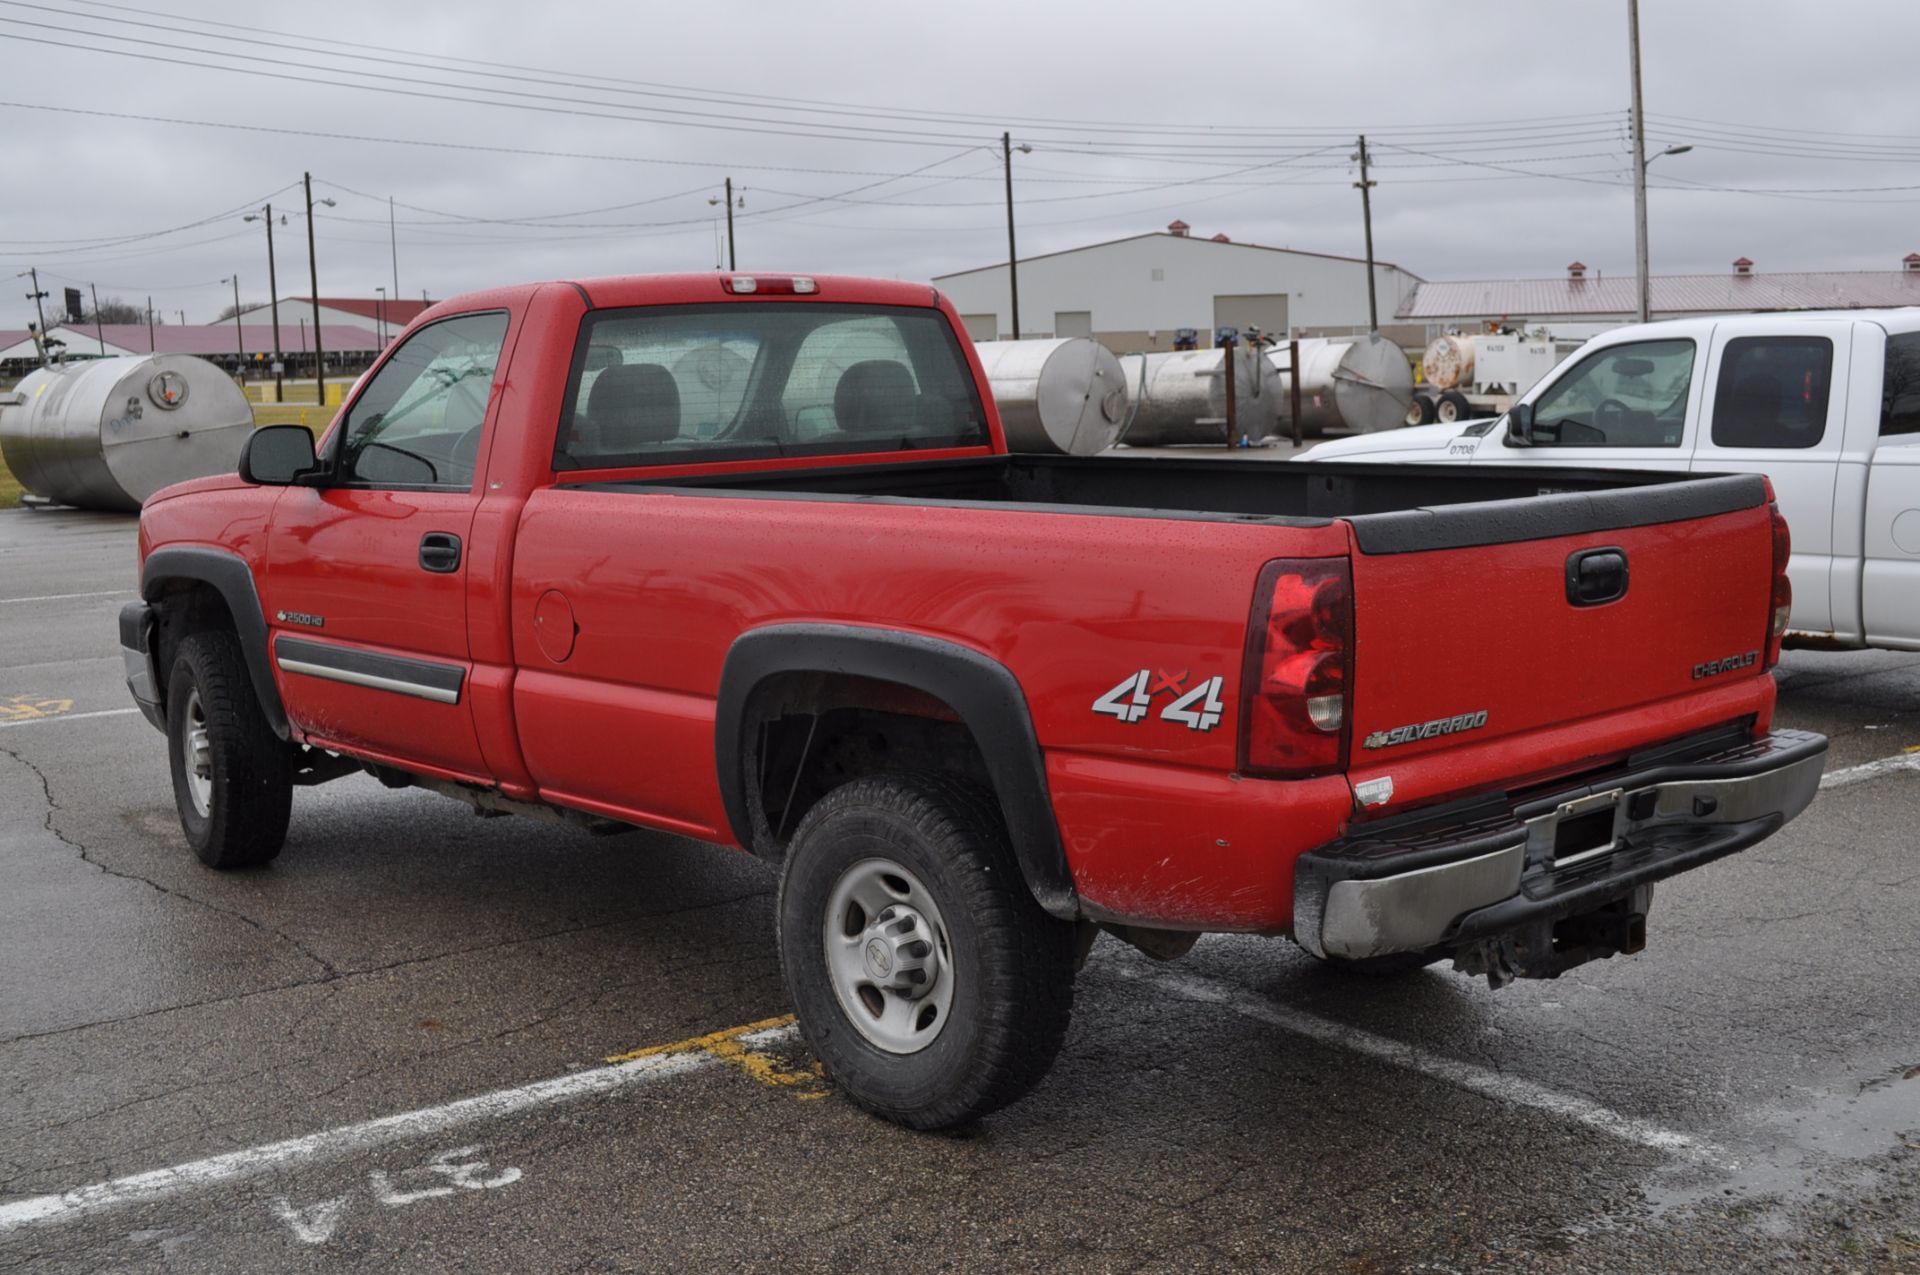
(770, 284)
(1293, 718)
(1780, 607)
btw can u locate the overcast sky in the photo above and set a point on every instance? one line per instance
(1238, 119)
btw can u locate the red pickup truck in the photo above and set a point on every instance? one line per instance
(745, 558)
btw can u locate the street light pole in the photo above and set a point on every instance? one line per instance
(313, 280)
(1013, 256)
(273, 300)
(728, 201)
(99, 329)
(1642, 289)
(380, 320)
(393, 243)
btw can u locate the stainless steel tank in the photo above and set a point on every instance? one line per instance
(1182, 397)
(1448, 362)
(108, 433)
(1067, 395)
(1361, 384)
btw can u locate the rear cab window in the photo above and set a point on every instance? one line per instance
(1631, 395)
(1773, 392)
(687, 384)
(1900, 388)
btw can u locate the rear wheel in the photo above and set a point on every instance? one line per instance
(232, 776)
(1453, 406)
(1420, 410)
(926, 978)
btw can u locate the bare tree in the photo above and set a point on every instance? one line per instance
(114, 310)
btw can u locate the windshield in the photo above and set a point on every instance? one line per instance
(743, 380)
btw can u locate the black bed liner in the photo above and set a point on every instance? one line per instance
(1393, 508)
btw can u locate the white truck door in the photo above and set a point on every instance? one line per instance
(1778, 406)
(1625, 406)
(1890, 586)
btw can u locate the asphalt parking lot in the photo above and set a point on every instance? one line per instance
(390, 1050)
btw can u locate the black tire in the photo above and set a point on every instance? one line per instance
(1012, 964)
(1453, 407)
(1420, 411)
(248, 785)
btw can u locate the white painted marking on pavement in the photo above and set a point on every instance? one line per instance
(141, 1188)
(68, 717)
(1481, 1080)
(313, 1224)
(1870, 770)
(62, 597)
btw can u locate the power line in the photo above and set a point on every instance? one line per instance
(358, 50)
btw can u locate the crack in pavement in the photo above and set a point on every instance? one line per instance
(86, 856)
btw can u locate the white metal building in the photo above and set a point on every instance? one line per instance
(1133, 293)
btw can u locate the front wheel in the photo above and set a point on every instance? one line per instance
(232, 776)
(927, 980)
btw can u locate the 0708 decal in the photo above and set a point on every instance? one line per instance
(1198, 708)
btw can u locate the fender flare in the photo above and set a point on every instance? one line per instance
(230, 577)
(983, 692)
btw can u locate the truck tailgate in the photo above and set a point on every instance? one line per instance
(1490, 647)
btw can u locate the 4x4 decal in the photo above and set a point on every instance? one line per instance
(1199, 708)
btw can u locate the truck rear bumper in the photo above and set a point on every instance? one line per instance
(1470, 872)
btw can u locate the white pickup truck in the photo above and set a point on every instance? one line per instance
(1826, 405)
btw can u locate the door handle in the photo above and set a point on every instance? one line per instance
(440, 552)
(1597, 576)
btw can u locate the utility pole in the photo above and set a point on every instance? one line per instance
(313, 280)
(150, 343)
(99, 331)
(239, 337)
(380, 315)
(1643, 290)
(1366, 186)
(393, 242)
(731, 265)
(36, 296)
(1013, 257)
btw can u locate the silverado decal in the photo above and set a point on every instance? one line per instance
(1426, 730)
(1198, 709)
(1713, 668)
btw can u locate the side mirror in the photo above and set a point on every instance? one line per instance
(278, 456)
(1520, 425)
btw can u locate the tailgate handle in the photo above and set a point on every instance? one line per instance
(1596, 577)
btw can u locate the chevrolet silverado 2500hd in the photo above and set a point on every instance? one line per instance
(745, 558)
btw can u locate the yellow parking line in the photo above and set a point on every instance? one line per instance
(729, 1047)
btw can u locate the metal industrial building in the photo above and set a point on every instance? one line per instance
(1581, 297)
(1134, 293)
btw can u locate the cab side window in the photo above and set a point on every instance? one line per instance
(1632, 395)
(1772, 392)
(1900, 386)
(417, 423)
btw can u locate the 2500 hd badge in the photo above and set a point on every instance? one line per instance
(1426, 730)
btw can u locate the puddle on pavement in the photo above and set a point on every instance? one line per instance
(1839, 1141)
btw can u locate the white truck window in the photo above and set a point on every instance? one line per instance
(1900, 386)
(1773, 392)
(1632, 395)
